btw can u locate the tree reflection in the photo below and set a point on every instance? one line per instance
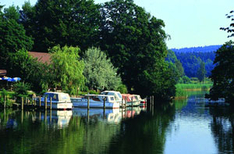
(145, 133)
(222, 127)
(35, 136)
(39, 132)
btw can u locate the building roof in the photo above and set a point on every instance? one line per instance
(40, 56)
(3, 72)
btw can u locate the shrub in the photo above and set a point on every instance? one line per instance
(21, 90)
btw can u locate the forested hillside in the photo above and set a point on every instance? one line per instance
(191, 58)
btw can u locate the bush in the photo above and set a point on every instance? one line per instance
(185, 79)
(21, 90)
(5, 95)
(122, 89)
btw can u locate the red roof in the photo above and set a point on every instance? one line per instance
(41, 56)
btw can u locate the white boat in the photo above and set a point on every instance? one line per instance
(96, 101)
(59, 100)
(136, 99)
(117, 95)
(142, 101)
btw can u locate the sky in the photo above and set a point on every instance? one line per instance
(190, 23)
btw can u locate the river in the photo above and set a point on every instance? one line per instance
(182, 127)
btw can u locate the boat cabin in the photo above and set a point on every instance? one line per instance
(57, 97)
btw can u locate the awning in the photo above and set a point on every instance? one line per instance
(9, 79)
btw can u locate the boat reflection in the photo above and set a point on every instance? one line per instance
(107, 115)
(55, 118)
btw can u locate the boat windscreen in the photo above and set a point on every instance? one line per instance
(53, 96)
(120, 96)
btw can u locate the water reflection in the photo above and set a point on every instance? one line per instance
(145, 133)
(184, 126)
(55, 118)
(222, 127)
(107, 115)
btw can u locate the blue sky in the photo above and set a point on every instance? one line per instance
(190, 23)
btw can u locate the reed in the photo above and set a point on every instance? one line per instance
(182, 90)
(206, 86)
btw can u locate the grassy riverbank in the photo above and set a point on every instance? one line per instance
(194, 87)
(183, 89)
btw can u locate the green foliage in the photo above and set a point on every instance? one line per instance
(2, 97)
(174, 70)
(99, 71)
(122, 89)
(135, 42)
(53, 22)
(201, 72)
(171, 57)
(184, 79)
(223, 74)
(194, 86)
(175, 65)
(21, 90)
(65, 70)
(180, 92)
(12, 34)
(192, 57)
(19, 64)
(179, 68)
(6, 98)
(230, 28)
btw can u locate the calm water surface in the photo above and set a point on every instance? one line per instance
(183, 127)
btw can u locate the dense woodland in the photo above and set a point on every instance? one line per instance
(191, 58)
(132, 39)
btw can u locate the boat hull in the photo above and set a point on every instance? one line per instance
(83, 103)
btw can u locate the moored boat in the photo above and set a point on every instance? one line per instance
(117, 95)
(96, 101)
(59, 100)
(131, 99)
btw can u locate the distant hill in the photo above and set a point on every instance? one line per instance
(210, 48)
(191, 58)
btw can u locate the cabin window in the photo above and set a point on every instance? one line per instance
(65, 97)
(53, 96)
(120, 96)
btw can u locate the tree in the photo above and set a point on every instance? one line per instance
(171, 56)
(99, 71)
(175, 66)
(223, 73)
(64, 22)
(135, 42)
(201, 72)
(66, 70)
(12, 34)
(179, 68)
(20, 64)
(229, 29)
